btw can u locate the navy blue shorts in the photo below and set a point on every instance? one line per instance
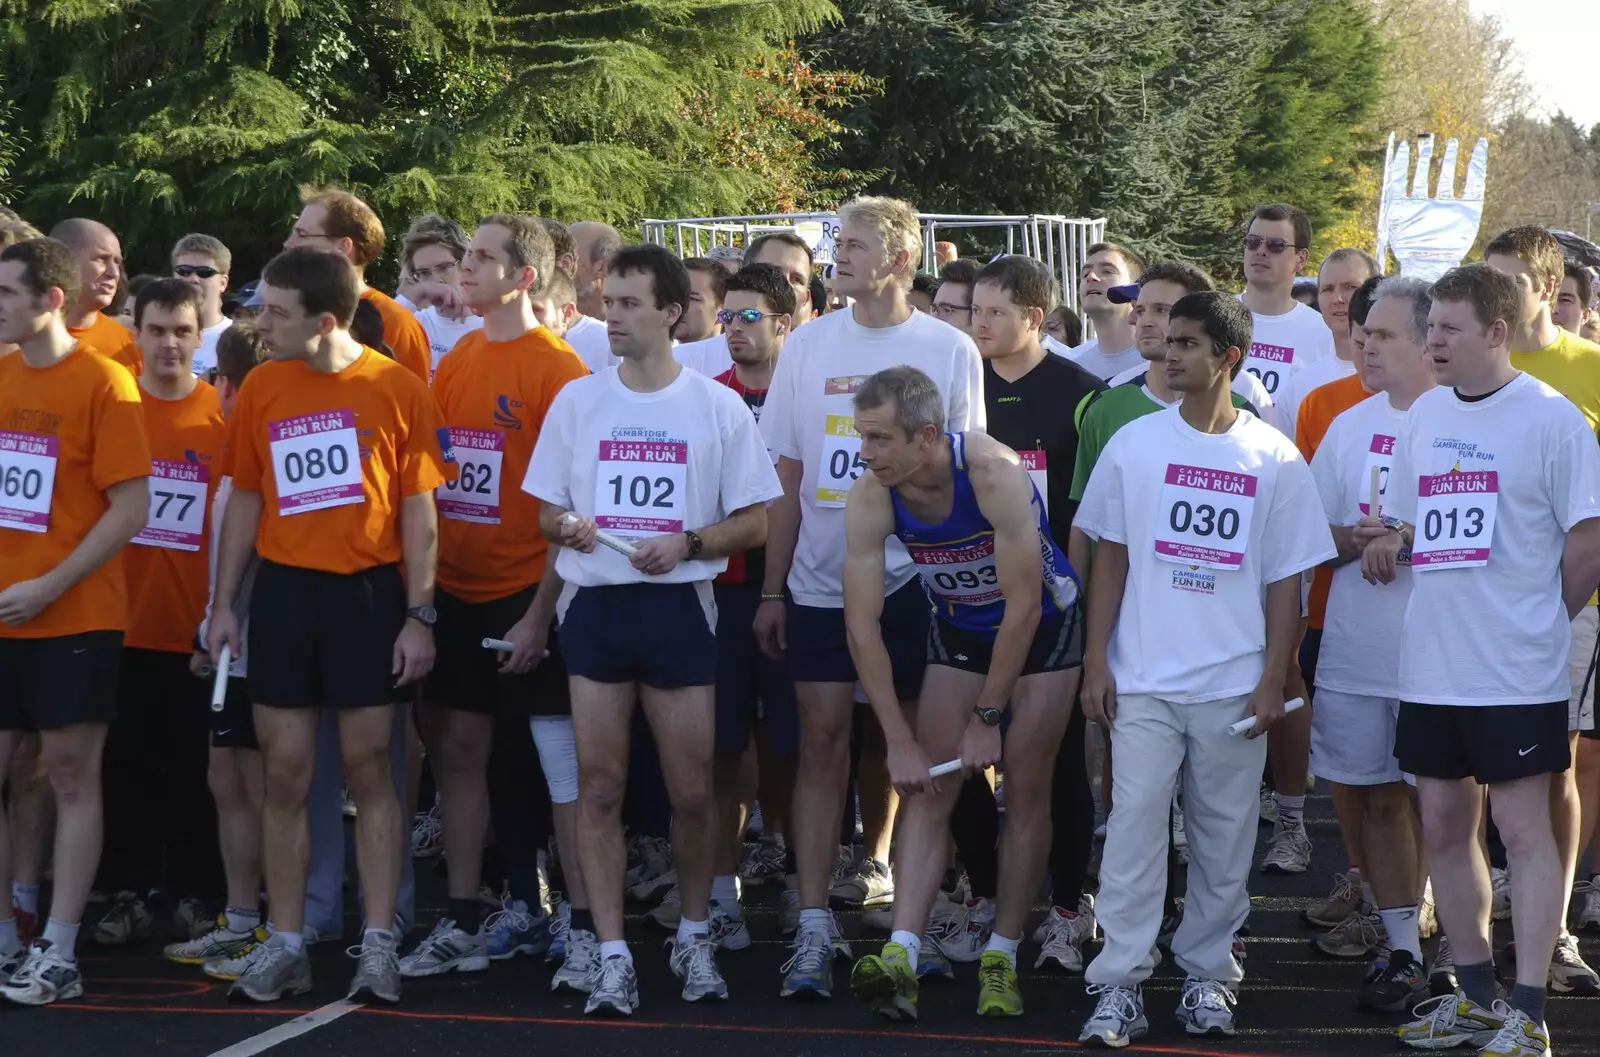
(750, 685)
(819, 650)
(661, 635)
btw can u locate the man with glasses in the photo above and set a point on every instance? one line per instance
(203, 262)
(952, 301)
(1287, 336)
(1112, 349)
(430, 258)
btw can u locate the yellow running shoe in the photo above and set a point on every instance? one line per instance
(998, 995)
(888, 982)
(1448, 1021)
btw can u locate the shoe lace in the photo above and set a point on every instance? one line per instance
(378, 960)
(426, 827)
(1509, 1037)
(1344, 890)
(262, 957)
(508, 917)
(992, 974)
(1115, 1002)
(581, 954)
(613, 975)
(1438, 1013)
(1207, 994)
(812, 950)
(1566, 950)
(695, 961)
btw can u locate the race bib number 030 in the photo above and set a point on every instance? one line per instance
(475, 493)
(316, 461)
(27, 480)
(1204, 516)
(641, 486)
(840, 463)
(1455, 519)
(1034, 462)
(1379, 455)
(1270, 364)
(963, 575)
(177, 505)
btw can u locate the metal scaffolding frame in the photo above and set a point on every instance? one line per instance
(1061, 243)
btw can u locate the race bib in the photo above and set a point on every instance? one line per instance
(641, 486)
(1455, 519)
(1269, 363)
(965, 575)
(1204, 516)
(27, 480)
(840, 462)
(475, 493)
(1035, 463)
(316, 461)
(1379, 456)
(177, 505)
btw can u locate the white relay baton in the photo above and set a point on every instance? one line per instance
(503, 646)
(939, 770)
(219, 688)
(616, 543)
(1244, 725)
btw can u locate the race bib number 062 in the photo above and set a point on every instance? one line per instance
(475, 493)
(1204, 516)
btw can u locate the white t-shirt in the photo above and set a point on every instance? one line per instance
(1299, 386)
(1282, 345)
(648, 464)
(1101, 365)
(809, 416)
(205, 357)
(709, 356)
(1361, 635)
(1244, 384)
(589, 340)
(443, 332)
(238, 668)
(1508, 476)
(1052, 345)
(1209, 521)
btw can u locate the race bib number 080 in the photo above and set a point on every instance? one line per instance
(316, 462)
(1455, 519)
(641, 486)
(1204, 516)
(27, 480)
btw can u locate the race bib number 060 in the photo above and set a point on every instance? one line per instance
(1455, 519)
(641, 486)
(27, 480)
(1204, 516)
(177, 516)
(316, 461)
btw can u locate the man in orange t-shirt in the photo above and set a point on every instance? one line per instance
(161, 832)
(494, 388)
(339, 221)
(73, 464)
(98, 253)
(334, 453)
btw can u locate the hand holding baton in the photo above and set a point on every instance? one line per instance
(504, 647)
(219, 688)
(1244, 725)
(939, 770)
(616, 543)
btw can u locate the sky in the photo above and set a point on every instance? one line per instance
(1554, 36)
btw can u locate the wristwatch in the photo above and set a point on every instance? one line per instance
(990, 716)
(425, 615)
(696, 544)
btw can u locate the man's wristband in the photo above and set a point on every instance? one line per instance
(774, 596)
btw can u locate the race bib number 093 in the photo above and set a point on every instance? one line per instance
(1455, 519)
(1204, 516)
(316, 461)
(27, 480)
(963, 575)
(641, 486)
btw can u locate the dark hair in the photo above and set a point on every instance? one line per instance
(1535, 247)
(1293, 214)
(767, 281)
(1192, 279)
(925, 283)
(1492, 293)
(962, 271)
(128, 286)
(1580, 275)
(527, 244)
(1224, 318)
(819, 296)
(786, 238)
(707, 266)
(669, 279)
(367, 328)
(239, 349)
(325, 280)
(46, 263)
(561, 240)
(1070, 323)
(1025, 279)
(1361, 300)
(170, 294)
(1131, 261)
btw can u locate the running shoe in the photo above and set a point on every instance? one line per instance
(809, 971)
(1395, 986)
(728, 933)
(961, 930)
(190, 920)
(560, 927)
(668, 912)
(1267, 813)
(932, 963)
(1065, 933)
(1569, 973)
(447, 949)
(694, 962)
(1449, 1021)
(127, 921)
(271, 970)
(998, 992)
(1206, 1008)
(1442, 970)
(377, 970)
(44, 977)
(655, 874)
(220, 942)
(427, 833)
(512, 930)
(1586, 893)
(1344, 900)
(1118, 1018)
(870, 883)
(1290, 851)
(616, 988)
(887, 982)
(1500, 894)
(1518, 1036)
(580, 968)
(763, 861)
(1356, 937)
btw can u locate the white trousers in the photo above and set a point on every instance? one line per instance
(1153, 743)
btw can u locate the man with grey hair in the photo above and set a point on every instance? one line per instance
(594, 244)
(1358, 670)
(203, 262)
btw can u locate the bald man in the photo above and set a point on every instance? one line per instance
(98, 252)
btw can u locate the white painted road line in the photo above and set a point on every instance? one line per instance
(317, 1018)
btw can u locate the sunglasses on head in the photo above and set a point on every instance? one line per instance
(743, 315)
(1274, 246)
(185, 271)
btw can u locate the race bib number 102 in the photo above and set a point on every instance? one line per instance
(641, 486)
(1204, 516)
(316, 461)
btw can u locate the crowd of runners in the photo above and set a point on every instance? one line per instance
(572, 556)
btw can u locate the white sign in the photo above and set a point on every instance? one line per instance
(641, 486)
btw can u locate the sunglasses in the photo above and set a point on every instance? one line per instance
(744, 315)
(185, 271)
(1274, 246)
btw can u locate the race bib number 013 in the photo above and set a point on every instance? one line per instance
(1270, 364)
(641, 486)
(840, 463)
(963, 575)
(1455, 519)
(316, 461)
(1204, 516)
(27, 480)
(475, 493)
(1379, 456)
(1036, 465)
(177, 518)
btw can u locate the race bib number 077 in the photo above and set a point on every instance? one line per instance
(1204, 516)
(177, 518)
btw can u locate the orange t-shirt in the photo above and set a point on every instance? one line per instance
(1317, 411)
(494, 396)
(333, 455)
(168, 563)
(110, 338)
(403, 334)
(68, 432)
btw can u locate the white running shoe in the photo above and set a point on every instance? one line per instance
(427, 833)
(961, 930)
(1569, 973)
(580, 969)
(1267, 813)
(1065, 934)
(695, 963)
(1290, 852)
(44, 977)
(869, 884)
(1588, 895)
(447, 949)
(220, 942)
(1118, 1018)
(1206, 1008)
(669, 911)
(616, 988)
(727, 932)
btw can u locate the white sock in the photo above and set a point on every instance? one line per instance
(1401, 924)
(1007, 947)
(379, 938)
(294, 941)
(10, 942)
(25, 897)
(688, 930)
(616, 949)
(1290, 808)
(911, 942)
(814, 918)
(63, 937)
(725, 893)
(242, 921)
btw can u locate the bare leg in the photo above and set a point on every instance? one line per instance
(819, 791)
(288, 752)
(1538, 898)
(684, 721)
(601, 717)
(942, 715)
(72, 760)
(878, 798)
(364, 736)
(1349, 807)
(1566, 816)
(461, 767)
(236, 785)
(1451, 811)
